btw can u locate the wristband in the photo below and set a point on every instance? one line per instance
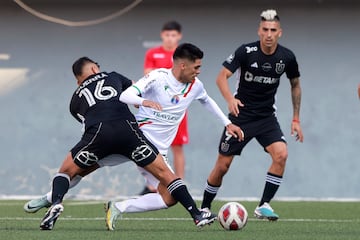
(296, 120)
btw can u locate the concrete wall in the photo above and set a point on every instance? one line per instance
(36, 84)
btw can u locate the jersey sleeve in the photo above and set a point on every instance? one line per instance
(125, 82)
(233, 62)
(201, 94)
(74, 108)
(132, 95)
(211, 105)
(145, 83)
(292, 70)
(149, 60)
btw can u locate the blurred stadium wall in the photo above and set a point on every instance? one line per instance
(36, 83)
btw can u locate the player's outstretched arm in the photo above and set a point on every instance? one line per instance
(130, 96)
(296, 100)
(223, 85)
(212, 107)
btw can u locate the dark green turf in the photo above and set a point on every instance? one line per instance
(298, 220)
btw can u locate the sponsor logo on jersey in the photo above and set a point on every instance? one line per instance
(266, 67)
(260, 79)
(230, 58)
(251, 49)
(254, 65)
(280, 67)
(168, 117)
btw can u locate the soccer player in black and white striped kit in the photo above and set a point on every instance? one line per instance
(260, 65)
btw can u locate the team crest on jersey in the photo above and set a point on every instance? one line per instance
(280, 67)
(225, 146)
(175, 99)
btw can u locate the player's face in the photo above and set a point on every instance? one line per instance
(269, 33)
(190, 70)
(170, 38)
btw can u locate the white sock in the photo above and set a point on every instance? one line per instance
(147, 202)
(75, 181)
(49, 197)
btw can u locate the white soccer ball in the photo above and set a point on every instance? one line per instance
(233, 216)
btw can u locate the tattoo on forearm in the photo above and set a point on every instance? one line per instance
(296, 95)
(296, 100)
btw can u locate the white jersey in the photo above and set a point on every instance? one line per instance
(160, 85)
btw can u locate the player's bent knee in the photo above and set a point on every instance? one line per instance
(280, 158)
(222, 169)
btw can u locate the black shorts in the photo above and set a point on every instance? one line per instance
(114, 137)
(266, 131)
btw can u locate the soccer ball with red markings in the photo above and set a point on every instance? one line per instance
(233, 216)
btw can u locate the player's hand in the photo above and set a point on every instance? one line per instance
(235, 131)
(296, 129)
(234, 104)
(151, 104)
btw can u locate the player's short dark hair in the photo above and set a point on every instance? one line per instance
(79, 64)
(188, 51)
(172, 25)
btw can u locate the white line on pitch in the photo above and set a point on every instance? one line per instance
(174, 219)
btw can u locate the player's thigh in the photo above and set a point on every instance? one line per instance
(92, 147)
(134, 145)
(273, 140)
(69, 167)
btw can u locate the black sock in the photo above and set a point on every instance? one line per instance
(271, 186)
(60, 187)
(209, 195)
(178, 190)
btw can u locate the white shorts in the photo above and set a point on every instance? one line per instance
(117, 159)
(113, 160)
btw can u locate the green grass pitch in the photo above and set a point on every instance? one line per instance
(85, 220)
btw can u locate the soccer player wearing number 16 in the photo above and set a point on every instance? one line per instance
(260, 65)
(110, 128)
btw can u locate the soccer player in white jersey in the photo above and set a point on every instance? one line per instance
(174, 89)
(171, 91)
